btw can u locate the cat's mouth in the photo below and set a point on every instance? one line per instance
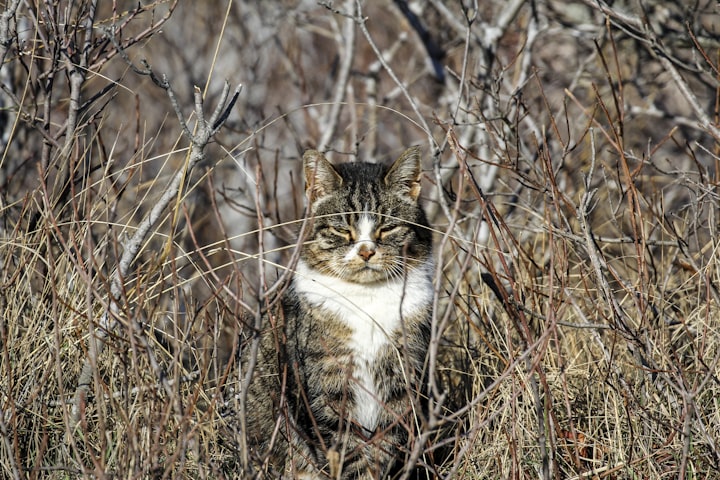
(367, 268)
(368, 273)
(370, 267)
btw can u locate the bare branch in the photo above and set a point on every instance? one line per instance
(5, 34)
(346, 52)
(133, 245)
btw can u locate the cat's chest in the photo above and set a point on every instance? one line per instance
(374, 315)
(373, 312)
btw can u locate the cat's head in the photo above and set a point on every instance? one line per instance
(367, 224)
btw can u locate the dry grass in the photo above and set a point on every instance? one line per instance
(573, 176)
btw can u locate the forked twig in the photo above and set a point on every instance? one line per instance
(204, 131)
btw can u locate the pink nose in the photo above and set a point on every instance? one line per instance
(366, 253)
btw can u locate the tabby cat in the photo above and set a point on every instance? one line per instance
(344, 356)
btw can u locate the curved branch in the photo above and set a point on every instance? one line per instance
(108, 322)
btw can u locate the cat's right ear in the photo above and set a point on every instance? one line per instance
(404, 175)
(321, 178)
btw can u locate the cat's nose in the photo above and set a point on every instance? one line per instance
(366, 252)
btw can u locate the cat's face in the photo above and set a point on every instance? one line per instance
(367, 224)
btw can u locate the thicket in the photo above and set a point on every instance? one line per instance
(148, 202)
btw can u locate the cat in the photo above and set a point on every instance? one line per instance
(342, 359)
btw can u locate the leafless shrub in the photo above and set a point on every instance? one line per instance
(571, 178)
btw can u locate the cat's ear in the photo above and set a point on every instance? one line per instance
(321, 178)
(404, 175)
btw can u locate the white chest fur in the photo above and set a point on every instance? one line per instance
(373, 312)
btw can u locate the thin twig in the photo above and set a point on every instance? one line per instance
(347, 54)
(655, 46)
(378, 54)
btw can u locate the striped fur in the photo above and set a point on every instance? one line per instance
(352, 333)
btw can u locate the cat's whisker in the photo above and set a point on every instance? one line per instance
(398, 269)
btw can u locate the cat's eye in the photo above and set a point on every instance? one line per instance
(385, 232)
(340, 232)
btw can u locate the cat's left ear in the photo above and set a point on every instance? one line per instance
(404, 175)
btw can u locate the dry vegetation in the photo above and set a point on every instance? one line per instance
(572, 177)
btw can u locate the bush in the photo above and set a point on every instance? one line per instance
(572, 176)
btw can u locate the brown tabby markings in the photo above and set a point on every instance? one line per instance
(353, 328)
